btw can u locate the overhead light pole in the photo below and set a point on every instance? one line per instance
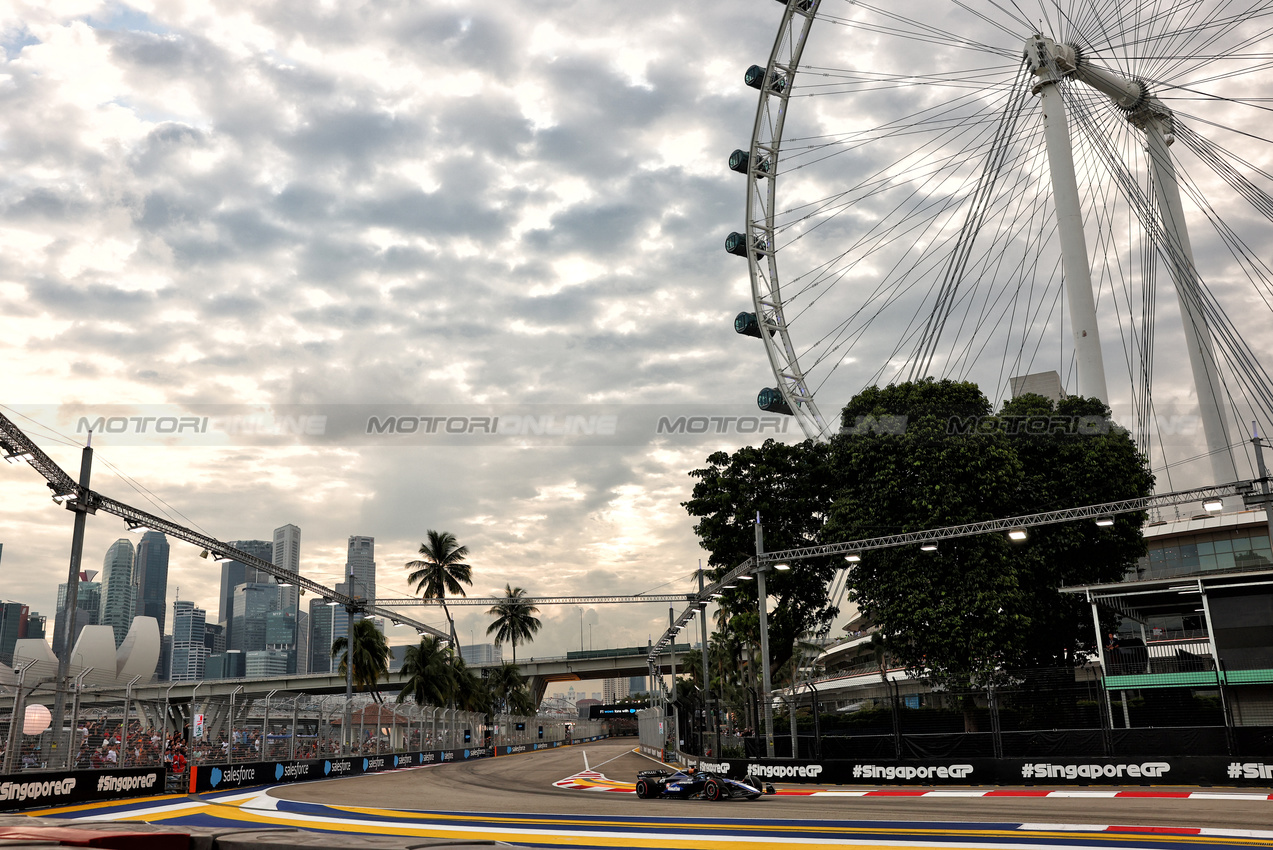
(762, 593)
(82, 510)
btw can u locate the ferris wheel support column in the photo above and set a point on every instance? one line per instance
(1069, 214)
(1202, 360)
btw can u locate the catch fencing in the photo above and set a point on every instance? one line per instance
(114, 729)
(885, 716)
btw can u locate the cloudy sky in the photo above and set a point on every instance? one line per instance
(341, 210)
(345, 204)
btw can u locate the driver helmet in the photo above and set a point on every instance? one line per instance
(691, 770)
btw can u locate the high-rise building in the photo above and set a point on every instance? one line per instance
(226, 665)
(34, 626)
(302, 642)
(236, 573)
(189, 650)
(118, 592)
(12, 619)
(252, 602)
(482, 653)
(613, 690)
(88, 599)
(327, 623)
(361, 564)
(287, 554)
(280, 636)
(214, 638)
(265, 662)
(151, 568)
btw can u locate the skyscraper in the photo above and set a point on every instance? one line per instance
(252, 602)
(88, 599)
(326, 624)
(287, 548)
(235, 573)
(118, 599)
(152, 577)
(12, 621)
(189, 651)
(361, 564)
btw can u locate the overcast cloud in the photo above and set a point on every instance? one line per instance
(388, 205)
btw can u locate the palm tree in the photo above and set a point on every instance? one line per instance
(505, 681)
(515, 619)
(440, 570)
(471, 692)
(371, 656)
(426, 668)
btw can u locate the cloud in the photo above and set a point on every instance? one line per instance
(525, 203)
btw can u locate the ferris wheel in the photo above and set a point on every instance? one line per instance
(980, 190)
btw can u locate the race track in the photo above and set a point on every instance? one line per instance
(580, 796)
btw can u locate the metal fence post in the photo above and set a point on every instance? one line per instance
(233, 694)
(124, 736)
(296, 731)
(15, 720)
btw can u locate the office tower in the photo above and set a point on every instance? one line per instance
(320, 636)
(214, 638)
(227, 665)
(33, 627)
(287, 554)
(235, 573)
(189, 650)
(327, 623)
(280, 636)
(118, 597)
(252, 602)
(482, 653)
(265, 662)
(361, 564)
(151, 568)
(302, 642)
(614, 690)
(88, 600)
(12, 615)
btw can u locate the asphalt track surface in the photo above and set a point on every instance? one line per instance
(514, 799)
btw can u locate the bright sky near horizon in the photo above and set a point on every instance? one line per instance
(313, 215)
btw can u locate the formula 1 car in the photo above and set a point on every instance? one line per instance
(692, 784)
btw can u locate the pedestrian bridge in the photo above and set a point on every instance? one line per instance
(539, 673)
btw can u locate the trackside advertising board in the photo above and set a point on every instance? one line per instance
(1043, 771)
(220, 777)
(69, 788)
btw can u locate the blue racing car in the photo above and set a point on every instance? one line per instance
(692, 784)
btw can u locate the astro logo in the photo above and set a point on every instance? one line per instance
(327, 768)
(215, 779)
(278, 771)
(364, 765)
(466, 753)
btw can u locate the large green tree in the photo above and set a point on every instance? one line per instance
(370, 654)
(441, 570)
(980, 604)
(791, 488)
(515, 620)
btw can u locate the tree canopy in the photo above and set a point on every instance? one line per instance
(515, 619)
(922, 455)
(370, 653)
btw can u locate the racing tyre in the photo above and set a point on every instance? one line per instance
(712, 790)
(643, 789)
